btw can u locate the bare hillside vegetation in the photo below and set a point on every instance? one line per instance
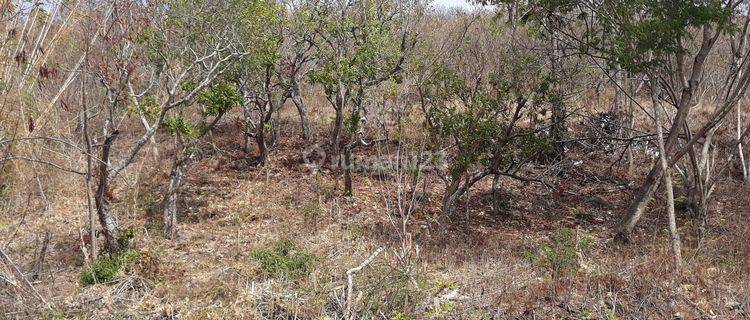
(374, 159)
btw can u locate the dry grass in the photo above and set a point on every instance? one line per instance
(479, 269)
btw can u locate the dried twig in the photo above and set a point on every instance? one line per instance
(21, 280)
(350, 281)
(38, 266)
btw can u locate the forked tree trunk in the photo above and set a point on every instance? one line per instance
(625, 228)
(454, 191)
(302, 110)
(177, 177)
(696, 200)
(102, 199)
(701, 188)
(646, 191)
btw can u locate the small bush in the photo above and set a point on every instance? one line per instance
(440, 310)
(284, 259)
(399, 315)
(444, 284)
(106, 269)
(126, 238)
(311, 212)
(560, 255)
(386, 290)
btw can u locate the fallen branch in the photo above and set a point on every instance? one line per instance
(22, 281)
(38, 267)
(350, 281)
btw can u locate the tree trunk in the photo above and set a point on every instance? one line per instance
(260, 141)
(93, 250)
(302, 110)
(696, 199)
(348, 172)
(454, 191)
(339, 104)
(512, 13)
(683, 110)
(497, 196)
(667, 177)
(617, 108)
(102, 198)
(740, 146)
(336, 135)
(169, 204)
(107, 221)
(646, 191)
(638, 206)
(631, 127)
(558, 127)
(246, 130)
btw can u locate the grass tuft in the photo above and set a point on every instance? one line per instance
(284, 259)
(107, 269)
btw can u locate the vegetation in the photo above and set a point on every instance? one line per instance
(561, 256)
(504, 159)
(284, 259)
(108, 269)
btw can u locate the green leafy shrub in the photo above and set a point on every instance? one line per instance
(440, 310)
(126, 237)
(399, 315)
(220, 98)
(179, 125)
(106, 269)
(560, 256)
(284, 259)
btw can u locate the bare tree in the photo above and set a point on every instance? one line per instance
(297, 58)
(137, 81)
(214, 103)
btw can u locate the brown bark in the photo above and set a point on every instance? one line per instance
(348, 172)
(301, 110)
(102, 198)
(667, 176)
(169, 204)
(337, 129)
(645, 192)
